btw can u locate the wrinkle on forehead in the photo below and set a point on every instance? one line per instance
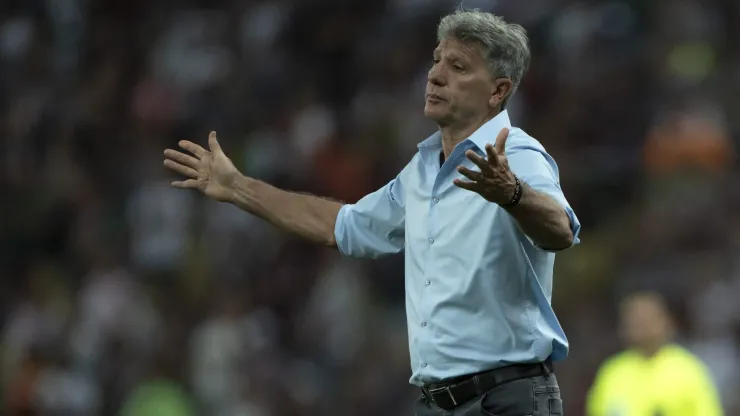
(470, 50)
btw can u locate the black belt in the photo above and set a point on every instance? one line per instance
(447, 394)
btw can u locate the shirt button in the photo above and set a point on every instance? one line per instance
(423, 364)
(423, 324)
(431, 241)
(435, 200)
(427, 283)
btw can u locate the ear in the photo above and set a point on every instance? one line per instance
(500, 89)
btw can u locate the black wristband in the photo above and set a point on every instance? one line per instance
(517, 194)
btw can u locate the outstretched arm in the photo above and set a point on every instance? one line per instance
(311, 217)
(213, 173)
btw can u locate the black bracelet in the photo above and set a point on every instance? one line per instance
(517, 194)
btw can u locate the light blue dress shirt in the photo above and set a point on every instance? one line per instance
(478, 290)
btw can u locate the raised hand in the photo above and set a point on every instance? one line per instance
(211, 172)
(495, 182)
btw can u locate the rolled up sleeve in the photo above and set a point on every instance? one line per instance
(374, 226)
(532, 165)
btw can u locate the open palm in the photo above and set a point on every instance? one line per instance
(209, 171)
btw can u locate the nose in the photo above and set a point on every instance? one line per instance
(435, 76)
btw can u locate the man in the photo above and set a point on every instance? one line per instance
(653, 377)
(478, 221)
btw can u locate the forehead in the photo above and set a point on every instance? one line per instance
(640, 304)
(458, 48)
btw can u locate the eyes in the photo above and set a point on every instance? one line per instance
(457, 66)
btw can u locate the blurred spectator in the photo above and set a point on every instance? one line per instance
(157, 395)
(653, 376)
(62, 389)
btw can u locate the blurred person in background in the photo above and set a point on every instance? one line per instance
(654, 376)
(158, 394)
(479, 221)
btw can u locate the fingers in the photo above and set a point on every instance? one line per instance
(493, 157)
(188, 184)
(213, 143)
(181, 169)
(193, 148)
(181, 158)
(501, 141)
(470, 174)
(470, 186)
(479, 161)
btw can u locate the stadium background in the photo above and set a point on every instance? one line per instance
(120, 293)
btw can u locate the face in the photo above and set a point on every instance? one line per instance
(645, 322)
(460, 87)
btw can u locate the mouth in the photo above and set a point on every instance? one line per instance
(434, 97)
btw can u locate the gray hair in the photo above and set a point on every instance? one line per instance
(504, 45)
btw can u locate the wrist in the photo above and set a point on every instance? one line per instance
(237, 186)
(515, 194)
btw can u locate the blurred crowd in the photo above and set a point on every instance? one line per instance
(121, 295)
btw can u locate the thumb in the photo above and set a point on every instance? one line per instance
(213, 143)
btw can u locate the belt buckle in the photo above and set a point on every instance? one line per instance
(441, 389)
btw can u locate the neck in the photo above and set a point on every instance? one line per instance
(649, 351)
(452, 134)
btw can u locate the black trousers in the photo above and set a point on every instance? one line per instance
(537, 396)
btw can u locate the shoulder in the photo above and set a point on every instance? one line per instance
(414, 160)
(616, 363)
(411, 165)
(527, 154)
(687, 359)
(521, 140)
(406, 177)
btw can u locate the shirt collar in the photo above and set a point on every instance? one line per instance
(485, 134)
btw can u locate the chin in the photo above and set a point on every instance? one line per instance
(434, 114)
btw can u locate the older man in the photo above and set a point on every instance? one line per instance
(479, 212)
